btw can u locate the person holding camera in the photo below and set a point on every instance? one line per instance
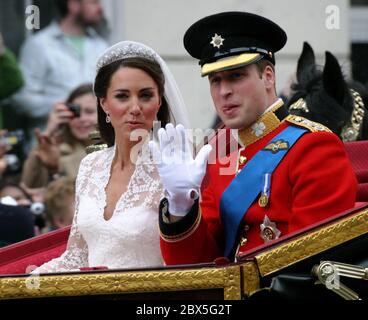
(62, 145)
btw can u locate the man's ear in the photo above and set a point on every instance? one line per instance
(269, 77)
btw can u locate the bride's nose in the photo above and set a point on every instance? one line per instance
(135, 108)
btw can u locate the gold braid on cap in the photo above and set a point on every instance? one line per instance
(351, 131)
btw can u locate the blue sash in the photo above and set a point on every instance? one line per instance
(246, 186)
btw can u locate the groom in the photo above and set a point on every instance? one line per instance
(290, 172)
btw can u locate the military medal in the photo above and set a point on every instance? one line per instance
(263, 199)
(269, 230)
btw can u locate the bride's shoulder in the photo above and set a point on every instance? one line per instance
(96, 156)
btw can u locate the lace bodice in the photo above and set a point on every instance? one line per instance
(130, 238)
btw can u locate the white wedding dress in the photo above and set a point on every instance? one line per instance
(130, 238)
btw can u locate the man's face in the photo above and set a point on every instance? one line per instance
(239, 95)
(90, 12)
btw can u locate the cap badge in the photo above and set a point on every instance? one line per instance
(217, 41)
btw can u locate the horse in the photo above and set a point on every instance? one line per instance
(323, 95)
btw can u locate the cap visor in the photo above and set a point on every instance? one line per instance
(230, 63)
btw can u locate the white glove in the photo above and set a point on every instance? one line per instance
(180, 174)
(2, 45)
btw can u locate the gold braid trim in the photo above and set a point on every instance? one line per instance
(305, 123)
(185, 234)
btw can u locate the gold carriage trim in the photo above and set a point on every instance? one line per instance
(185, 234)
(251, 279)
(120, 282)
(313, 243)
(308, 124)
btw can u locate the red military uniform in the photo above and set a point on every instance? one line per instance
(312, 182)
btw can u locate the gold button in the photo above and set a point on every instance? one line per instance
(242, 160)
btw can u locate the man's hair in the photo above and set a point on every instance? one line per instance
(62, 7)
(81, 90)
(262, 64)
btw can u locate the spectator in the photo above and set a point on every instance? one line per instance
(62, 145)
(16, 224)
(60, 202)
(11, 77)
(59, 58)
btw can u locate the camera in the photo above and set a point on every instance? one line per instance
(37, 208)
(13, 138)
(75, 108)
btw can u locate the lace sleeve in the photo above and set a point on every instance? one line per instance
(76, 254)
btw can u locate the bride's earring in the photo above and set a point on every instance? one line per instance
(108, 119)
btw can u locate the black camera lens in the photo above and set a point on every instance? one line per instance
(75, 108)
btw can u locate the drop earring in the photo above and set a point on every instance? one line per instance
(108, 119)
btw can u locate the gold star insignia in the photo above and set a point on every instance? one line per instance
(217, 41)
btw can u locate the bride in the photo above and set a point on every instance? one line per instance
(118, 190)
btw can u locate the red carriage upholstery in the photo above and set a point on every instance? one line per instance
(358, 155)
(15, 259)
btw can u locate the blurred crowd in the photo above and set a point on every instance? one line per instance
(49, 85)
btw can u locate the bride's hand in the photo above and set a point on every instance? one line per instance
(181, 174)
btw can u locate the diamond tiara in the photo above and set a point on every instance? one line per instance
(123, 50)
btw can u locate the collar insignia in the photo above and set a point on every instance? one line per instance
(258, 128)
(263, 126)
